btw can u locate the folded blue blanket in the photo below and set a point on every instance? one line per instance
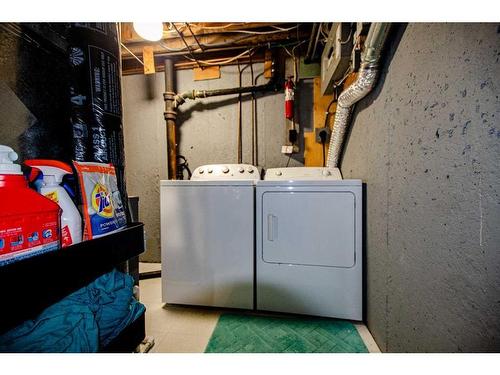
(84, 321)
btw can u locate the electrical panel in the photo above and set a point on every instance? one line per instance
(336, 55)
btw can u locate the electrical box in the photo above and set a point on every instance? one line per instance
(311, 70)
(336, 56)
(290, 149)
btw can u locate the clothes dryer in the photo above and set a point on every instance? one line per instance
(309, 243)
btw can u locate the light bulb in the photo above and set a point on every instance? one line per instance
(152, 31)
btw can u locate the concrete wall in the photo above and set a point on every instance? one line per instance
(427, 144)
(145, 151)
(207, 134)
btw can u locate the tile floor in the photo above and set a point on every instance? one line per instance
(188, 330)
(149, 267)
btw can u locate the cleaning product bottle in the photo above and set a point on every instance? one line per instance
(29, 222)
(53, 173)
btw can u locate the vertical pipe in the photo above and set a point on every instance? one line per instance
(240, 126)
(312, 40)
(253, 114)
(170, 116)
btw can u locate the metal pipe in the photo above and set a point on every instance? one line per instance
(253, 114)
(364, 83)
(194, 94)
(256, 122)
(314, 31)
(170, 116)
(240, 125)
(316, 41)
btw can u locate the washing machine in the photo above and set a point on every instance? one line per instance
(207, 237)
(309, 243)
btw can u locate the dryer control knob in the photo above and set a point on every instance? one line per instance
(241, 169)
(250, 170)
(201, 171)
(209, 170)
(225, 170)
(326, 173)
(279, 173)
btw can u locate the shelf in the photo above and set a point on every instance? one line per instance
(32, 284)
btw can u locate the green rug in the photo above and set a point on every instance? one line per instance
(239, 333)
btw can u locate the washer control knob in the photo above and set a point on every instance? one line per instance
(241, 169)
(225, 169)
(201, 171)
(326, 173)
(209, 170)
(250, 170)
(279, 173)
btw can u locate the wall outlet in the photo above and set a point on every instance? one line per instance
(290, 149)
(326, 131)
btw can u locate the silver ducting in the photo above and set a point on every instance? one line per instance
(365, 82)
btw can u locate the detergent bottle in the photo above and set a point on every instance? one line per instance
(29, 222)
(53, 173)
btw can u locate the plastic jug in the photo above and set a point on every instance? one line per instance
(29, 222)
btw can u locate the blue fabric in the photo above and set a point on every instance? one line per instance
(114, 305)
(85, 320)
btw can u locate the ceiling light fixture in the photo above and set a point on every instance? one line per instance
(152, 31)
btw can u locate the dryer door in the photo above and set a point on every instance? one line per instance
(309, 228)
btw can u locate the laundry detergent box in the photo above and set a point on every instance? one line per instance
(102, 206)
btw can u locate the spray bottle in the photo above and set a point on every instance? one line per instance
(53, 173)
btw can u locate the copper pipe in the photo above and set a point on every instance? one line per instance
(170, 116)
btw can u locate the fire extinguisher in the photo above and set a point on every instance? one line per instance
(289, 92)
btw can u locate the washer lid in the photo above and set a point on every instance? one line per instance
(302, 173)
(225, 172)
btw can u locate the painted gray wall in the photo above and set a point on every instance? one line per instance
(145, 151)
(208, 130)
(427, 144)
(207, 134)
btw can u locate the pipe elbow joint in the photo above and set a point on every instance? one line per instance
(178, 100)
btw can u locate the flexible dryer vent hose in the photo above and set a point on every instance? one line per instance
(365, 82)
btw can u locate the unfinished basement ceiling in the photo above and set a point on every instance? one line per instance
(201, 44)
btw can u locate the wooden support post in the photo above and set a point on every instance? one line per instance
(268, 64)
(313, 151)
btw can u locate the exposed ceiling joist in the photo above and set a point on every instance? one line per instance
(133, 67)
(203, 40)
(199, 28)
(213, 41)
